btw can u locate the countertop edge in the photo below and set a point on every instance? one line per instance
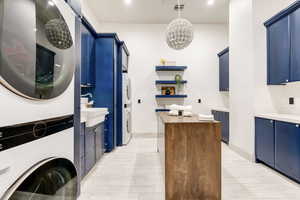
(280, 117)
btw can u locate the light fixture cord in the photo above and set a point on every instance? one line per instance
(179, 9)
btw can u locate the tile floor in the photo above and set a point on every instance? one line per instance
(133, 173)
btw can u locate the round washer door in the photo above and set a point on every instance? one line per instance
(54, 183)
(36, 48)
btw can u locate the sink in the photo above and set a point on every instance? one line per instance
(93, 116)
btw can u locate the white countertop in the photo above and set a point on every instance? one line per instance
(222, 109)
(281, 117)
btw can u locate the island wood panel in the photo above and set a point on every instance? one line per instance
(192, 159)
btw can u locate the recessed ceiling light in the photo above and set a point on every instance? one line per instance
(128, 2)
(210, 2)
(51, 3)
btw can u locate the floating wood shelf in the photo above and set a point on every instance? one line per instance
(171, 68)
(171, 96)
(162, 110)
(168, 82)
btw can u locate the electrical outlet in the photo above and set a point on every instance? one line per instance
(291, 100)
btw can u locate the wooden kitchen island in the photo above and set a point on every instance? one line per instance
(191, 157)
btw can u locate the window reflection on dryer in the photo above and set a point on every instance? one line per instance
(37, 53)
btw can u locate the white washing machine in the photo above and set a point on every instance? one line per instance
(37, 100)
(127, 109)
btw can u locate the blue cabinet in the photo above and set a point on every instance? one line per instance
(87, 57)
(277, 144)
(287, 149)
(223, 117)
(90, 153)
(224, 70)
(105, 93)
(283, 46)
(279, 52)
(93, 147)
(99, 141)
(295, 46)
(265, 141)
(82, 150)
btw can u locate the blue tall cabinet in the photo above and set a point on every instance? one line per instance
(105, 93)
(224, 70)
(283, 42)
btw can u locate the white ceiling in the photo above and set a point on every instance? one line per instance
(158, 11)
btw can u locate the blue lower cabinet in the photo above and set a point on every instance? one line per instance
(265, 141)
(94, 146)
(90, 154)
(99, 141)
(223, 117)
(287, 149)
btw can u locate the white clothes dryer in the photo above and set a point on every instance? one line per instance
(37, 62)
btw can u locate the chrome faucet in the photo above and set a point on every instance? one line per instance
(87, 94)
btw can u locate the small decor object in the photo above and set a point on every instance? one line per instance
(179, 33)
(168, 90)
(178, 79)
(162, 61)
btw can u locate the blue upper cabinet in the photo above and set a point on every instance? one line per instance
(279, 52)
(283, 46)
(295, 46)
(87, 57)
(224, 70)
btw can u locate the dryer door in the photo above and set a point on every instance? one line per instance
(36, 48)
(54, 180)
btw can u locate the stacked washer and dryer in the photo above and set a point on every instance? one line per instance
(127, 103)
(37, 40)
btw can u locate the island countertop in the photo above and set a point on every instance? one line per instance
(190, 152)
(176, 119)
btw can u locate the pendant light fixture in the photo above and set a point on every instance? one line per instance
(179, 33)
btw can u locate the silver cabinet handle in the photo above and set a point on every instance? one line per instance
(287, 80)
(1, 146)
(271, 121)
(1, 134)
(297, 125)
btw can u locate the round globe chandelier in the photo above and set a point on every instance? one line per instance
(179, 32)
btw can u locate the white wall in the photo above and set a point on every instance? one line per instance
(147, 46)
(89, 14)
(241, 77)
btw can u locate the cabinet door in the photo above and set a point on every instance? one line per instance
(224, 72)
(91, 61)
(287, 149)
(265, 141)
(225, 130)
(295, 44)
(279, 52)
(90, 154)
(99, 141)
(84, 54)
